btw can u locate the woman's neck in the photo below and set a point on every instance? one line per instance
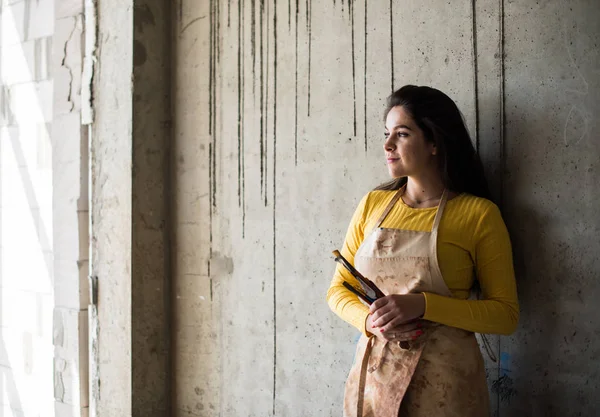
(424, 190)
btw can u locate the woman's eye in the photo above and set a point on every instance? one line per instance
(402, 134)
(386, 135)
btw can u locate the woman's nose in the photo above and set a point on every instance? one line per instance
(388, 145)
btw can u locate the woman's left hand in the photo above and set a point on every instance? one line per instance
(392, 310)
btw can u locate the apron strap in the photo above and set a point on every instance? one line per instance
(390, 206)
(442, 288)
(440, 211)
(436, 225)
(362, 382)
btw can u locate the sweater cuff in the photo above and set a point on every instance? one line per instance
(363, 322)
(364, 330)
(435, 308)
(428, 307)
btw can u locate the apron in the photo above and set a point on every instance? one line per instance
(441, 373)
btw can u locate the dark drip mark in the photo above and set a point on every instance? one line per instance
(214, 176)
(351, 9)
(229, 13)
(502, 144)
(253, 42)
(210, 67)
(274, 203)
(306, 14)
(475, 76)
(502, 107)
(211, 288)
(218, 37)
(212, 156)
(365, 75)
(266, 143)
(262, 99)
(217, 49)
(309, 13)
(210, 202)
(392, 42)
(213, 56)
(289, 14)
(243, 110)
(296, 92)
(239, 102)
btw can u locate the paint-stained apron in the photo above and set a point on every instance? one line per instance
(441, 373)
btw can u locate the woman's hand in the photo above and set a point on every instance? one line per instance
(395, 314)
(400, 333)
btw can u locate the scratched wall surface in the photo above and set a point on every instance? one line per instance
(551, 203)
(278, 126)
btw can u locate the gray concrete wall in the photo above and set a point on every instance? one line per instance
(278, 135)
(130, 247)
(551, 200)
(110, 170)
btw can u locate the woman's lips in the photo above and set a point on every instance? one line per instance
(391, 160)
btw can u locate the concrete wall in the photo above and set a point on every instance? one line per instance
(43, 200)
(277, 136)
(26, 214)
(551, 200)
(130, 251)
(71, 213)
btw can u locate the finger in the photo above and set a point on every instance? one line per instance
(395, 321)
(379, 303)
(405, 327)
(382, 311)
(402, 336)
(385, 318)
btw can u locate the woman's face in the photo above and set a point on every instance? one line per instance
(407, 151)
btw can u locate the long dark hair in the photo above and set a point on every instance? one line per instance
(442, 123)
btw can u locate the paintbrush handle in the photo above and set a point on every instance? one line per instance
(358, 293)
(364, 281)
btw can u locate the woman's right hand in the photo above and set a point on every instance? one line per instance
(402, 332)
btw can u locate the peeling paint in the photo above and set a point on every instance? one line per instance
(60, 365)
(89, 63)
(76, 20)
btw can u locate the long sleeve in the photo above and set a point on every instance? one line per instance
(498, 310)
(341, 300)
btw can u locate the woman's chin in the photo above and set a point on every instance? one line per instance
(394, 174)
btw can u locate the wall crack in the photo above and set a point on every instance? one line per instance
(68, 67)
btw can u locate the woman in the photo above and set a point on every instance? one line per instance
(426, 239)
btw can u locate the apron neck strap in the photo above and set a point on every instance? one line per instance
(389, 206)
(440, 211)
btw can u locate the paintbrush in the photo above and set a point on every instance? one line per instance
(359, 293)
(370, 291)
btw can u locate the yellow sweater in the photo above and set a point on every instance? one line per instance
(473, 243)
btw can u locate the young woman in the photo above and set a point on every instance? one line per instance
(426, 239)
